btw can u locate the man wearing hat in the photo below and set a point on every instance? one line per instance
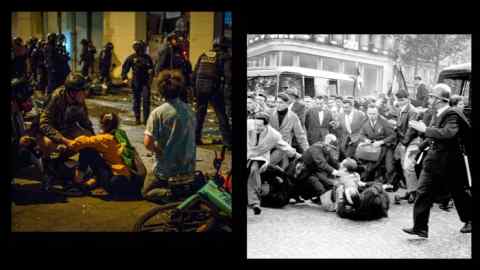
(261, 139)
(408, 142)
(443, 163)
(288, 124)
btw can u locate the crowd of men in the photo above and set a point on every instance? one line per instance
(61, 127)
(347, 153)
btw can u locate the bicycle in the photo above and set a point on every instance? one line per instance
(208, 209)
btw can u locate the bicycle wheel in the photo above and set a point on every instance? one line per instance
(167, 218)
(157, 219)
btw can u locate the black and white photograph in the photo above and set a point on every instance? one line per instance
(359, 146)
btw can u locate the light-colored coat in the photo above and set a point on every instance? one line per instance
(269, 139)
(290, 126)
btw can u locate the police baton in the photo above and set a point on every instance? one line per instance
(467, 165)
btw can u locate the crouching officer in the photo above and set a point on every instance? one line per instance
(65, 116)
(208, 76)
(142, 66)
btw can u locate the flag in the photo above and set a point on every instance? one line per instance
(358, 82)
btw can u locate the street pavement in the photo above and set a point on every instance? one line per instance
(305, 231)
(37, 211)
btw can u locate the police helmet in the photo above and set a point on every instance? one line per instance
(51, 37)
(218, 43)
(109, 46)
(18, 40)
(441, 91)
(21, 89)
(171, 36)
(75, 82)
(84, 42)
(61, 37)
(137, 45)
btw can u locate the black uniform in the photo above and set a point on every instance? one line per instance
(227, 84)
(170, 57)
(105, 63)
(20, 61)
(208, 76)
(87, 58)
(443, 164)
(63, 63)
(54, 66)
(142, 66)
(38, 55)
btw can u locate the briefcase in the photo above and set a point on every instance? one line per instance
(367, 151)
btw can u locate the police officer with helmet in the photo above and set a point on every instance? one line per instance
(208, 77)
(105, 63)
(142, 66)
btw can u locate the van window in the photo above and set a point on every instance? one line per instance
(459, 86)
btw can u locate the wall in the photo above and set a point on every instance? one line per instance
(122, 29)
(201, 34)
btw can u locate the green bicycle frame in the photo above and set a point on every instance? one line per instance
(211, 193)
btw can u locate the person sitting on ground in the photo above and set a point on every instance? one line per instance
(118, 168)
(261, 139)
(170, 134)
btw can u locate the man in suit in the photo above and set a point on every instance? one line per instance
(408, 143)
(296, 105)
(317, 123)
(443, 163)
(317, 167)
(379, 131)
(351, 121)
(288, 124)
(421, 92)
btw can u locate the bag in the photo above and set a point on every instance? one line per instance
(367, 151)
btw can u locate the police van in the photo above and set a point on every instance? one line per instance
(459, 78)
(310, 82)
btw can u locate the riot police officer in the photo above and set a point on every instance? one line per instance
(226, 59)
(87, 56)
(171, 57)
(63, 59)
(208, 77)
(105, 63)
(142, 66)
(38, 55)
(52, 63)
(32, 44)
(19, 58)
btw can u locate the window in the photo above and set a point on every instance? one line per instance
(372, 81)
(287, 58)
(349, 68)
(308, 60)
(330, 64)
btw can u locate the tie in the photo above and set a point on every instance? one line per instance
(258, 138)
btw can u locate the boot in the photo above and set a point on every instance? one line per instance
(137, 120)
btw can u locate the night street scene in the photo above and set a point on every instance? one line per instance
(121, 121)
(359, 146)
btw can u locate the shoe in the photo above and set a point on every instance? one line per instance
(388, 188)
(257, 210)
(467, 228)
(397, 199)
(421, 233)
(412, 197)
(137, 121)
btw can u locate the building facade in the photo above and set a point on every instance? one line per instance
(371, 57)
